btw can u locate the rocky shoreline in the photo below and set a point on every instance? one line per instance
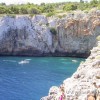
(83, 81)
(56, 54)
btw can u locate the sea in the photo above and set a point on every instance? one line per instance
(30, 78)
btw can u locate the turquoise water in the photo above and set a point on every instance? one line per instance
(32, 80)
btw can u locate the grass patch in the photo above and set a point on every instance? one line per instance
(11, 15)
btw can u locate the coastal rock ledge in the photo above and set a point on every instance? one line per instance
(84, 81)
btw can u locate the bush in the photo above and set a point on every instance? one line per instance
(47, 24)
(23, 10)
(2, 10)
(50, 14)
(98, 6)
(53, 31)
(94, 3)
(83, 6)
(48, 8)
(60, 16)
(13, 10)
(69, 7)
(33, 10)
(31, 15)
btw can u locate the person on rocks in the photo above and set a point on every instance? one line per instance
(62, 88)
(95, 85)
(97, 92)
(62, 97)
(91, 97)
(98, 97)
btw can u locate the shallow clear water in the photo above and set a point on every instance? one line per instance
(31, 81)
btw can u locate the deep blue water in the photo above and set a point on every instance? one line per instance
(32, 80)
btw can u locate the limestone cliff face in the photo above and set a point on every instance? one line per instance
(78, 35)
(22, 35)
(82, 81)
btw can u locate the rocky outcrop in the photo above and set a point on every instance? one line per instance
(26, 36)
(84, 81)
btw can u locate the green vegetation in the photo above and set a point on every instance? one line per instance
(50, 14)
(53, 31)
(31, 15)
(98, 38)
(49, 9)
(11, 15)
(70, 6)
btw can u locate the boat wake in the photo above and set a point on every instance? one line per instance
(9, 60)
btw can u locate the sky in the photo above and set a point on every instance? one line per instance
(35, 1)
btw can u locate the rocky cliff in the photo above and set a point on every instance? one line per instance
(83, 82)
(33, 36)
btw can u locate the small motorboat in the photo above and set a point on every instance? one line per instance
(74, 61)
(23, 62)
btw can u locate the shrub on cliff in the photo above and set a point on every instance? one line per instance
(83, 6)
(50, 14)
(48, 8)
(31, 15)
(23, 10)
(61, 16)
(53, 31)
(2, 10)
(33, 10)
(94, 3)
(69, 7)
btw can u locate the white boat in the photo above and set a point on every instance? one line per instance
(74, 61)
(23, 62)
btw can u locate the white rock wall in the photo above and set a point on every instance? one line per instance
(76, 34)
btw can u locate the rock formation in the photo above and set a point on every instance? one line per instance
(84, 81)
(26, 36)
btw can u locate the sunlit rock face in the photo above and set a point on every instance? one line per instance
(23, 35)
(77, 33)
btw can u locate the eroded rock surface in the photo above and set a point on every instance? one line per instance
(84, 81)
(23, 35)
